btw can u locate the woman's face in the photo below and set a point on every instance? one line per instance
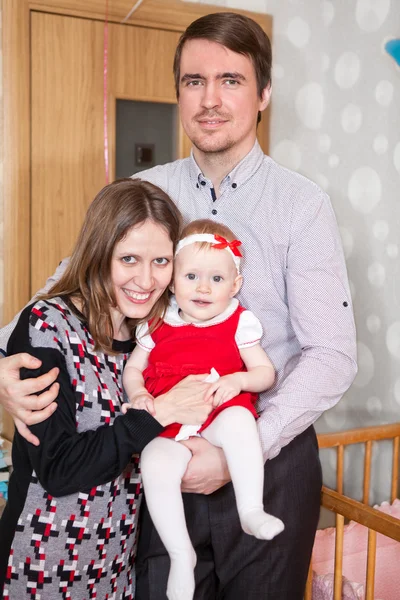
(141, 269)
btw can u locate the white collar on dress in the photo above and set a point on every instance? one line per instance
(173, 318)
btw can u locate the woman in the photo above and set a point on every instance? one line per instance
(69, 528)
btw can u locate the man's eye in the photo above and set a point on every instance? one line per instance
(194, 82)
(191, 276)
(217, 278)
(231, 82)
(161, 261)
(129, 260)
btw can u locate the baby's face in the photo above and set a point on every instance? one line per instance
(205, 280)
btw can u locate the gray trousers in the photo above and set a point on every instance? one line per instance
(230, 564)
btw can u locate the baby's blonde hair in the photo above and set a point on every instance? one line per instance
(208, 226)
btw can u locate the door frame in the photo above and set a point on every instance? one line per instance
(174, 15)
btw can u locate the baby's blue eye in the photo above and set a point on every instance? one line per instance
(217, 278)
(191, 276)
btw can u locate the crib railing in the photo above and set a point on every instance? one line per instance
(347, 508)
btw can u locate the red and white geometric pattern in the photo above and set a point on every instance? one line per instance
(80, 546)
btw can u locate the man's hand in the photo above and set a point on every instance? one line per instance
(21, 397)
(141, 401)
(207, 470)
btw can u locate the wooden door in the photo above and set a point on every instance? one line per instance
(68, 118)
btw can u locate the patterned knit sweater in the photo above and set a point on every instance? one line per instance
(69, 528)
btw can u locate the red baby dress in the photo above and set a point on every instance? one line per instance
(178, 349)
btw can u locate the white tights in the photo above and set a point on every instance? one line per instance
(164, 462)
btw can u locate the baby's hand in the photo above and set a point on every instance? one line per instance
(142, 401)
(226, 388)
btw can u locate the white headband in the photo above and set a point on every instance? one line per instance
(217, 242)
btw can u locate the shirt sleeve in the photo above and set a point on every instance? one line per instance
(249, 330)
(321, 315)
(143, 337)
(68, 461)
(7, 330)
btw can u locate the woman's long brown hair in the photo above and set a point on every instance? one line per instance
(117, 208)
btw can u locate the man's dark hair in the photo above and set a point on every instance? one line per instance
(237, 33)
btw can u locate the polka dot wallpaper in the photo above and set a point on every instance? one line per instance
(335, 118)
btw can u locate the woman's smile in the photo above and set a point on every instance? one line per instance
(137, 297)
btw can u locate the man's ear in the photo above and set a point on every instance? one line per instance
(237, 284)
(265, 97)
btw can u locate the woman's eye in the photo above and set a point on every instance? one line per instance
(161, 261)
(217, 278)
(129, 260)
(191, 276)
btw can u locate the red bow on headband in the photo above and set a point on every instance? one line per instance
(223, 243)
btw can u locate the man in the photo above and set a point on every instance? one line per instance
(294, 281)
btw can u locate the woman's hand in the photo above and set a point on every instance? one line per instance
(25, 399)
(185, 403)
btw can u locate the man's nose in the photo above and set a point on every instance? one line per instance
(211, 95)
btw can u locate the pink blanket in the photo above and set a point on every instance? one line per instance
(387, 573)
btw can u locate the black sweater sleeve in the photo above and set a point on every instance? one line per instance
(66, 461)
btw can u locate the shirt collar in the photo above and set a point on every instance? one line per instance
(239, 174)
(173, 318)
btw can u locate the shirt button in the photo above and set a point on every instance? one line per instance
(197, 185)
(345, 304)
(214, 212)
(203, 182)
(234, 185)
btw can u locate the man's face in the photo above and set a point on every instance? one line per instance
(218, 98)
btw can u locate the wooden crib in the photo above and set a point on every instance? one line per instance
(346, 508)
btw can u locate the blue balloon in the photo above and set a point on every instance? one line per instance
(392, 47)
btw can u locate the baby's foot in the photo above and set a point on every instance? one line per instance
(181, 584)
(260, 524)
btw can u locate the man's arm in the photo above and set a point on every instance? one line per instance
(21, 398)
(7, 330)
(322, 318)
